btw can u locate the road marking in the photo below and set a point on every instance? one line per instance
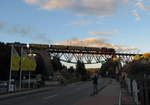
(48, 97)
(77, 83)
(73, 85)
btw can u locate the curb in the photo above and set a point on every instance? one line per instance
(109, 82)
(17, 94)
(120, 96)
(27, 92)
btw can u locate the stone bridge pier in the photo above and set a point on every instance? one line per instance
(44, 62)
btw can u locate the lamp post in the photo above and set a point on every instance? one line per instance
(29, 73)
(10, 71)
(20, 71)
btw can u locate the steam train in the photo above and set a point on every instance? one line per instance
(73, 48)
(70, 48)
(82, 48)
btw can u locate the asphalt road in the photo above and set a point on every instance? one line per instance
(65, 95)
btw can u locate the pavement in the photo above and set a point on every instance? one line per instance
(126, 98)
(112, 94)
(108, 96)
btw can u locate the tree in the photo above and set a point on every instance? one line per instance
(137, 69)
(81, 71)
(110, 66)
(71, 70)
(57, 66)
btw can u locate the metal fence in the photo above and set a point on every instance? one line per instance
(140, 90)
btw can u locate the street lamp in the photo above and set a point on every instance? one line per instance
(29, 79)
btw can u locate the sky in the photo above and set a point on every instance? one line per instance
(120, 24)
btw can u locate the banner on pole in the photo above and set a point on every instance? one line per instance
(15, 60)
(28, 63)
(32, 61)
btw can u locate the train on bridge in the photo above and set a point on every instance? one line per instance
(66, 48)
(73, 48)
(82, 48)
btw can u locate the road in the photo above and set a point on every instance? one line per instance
(65, 95)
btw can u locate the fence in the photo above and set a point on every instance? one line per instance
(140, 90)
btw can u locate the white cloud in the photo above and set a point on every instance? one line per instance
(97, 42)
(136, 14)
(57, 4)
(98, 8)
(83, 23)
(141, 5)
(105, 33)
(85, 42)
(31, 1)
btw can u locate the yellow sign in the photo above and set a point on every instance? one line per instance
(15, 60)
(28, 64)
(25, 63)
(15, 63)
(32, 64)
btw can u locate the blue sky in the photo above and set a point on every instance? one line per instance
(121, 24)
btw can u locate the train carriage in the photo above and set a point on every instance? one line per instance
(39, 46)
(59, 47)
(80, 48)
(107, 50)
